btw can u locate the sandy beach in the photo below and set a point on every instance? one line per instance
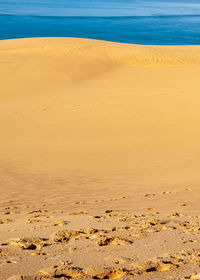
(99, 160)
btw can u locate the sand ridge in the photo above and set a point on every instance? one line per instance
(124, 53)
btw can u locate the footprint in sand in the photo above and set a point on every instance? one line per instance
(38, 211)
(149, 195)
(64, 236)
(160, 267)
(9, 213)
(176, 215)
(114, 210)
(98, 217)
(5, 221)
(10, 261)
(106, 241)
(149, 209)
(167, 192)
(79, 202)
(110, 274)
(63, 272)
(28, 243)
(73, 272)
(82, 212)
(61, 223)
(33, 221)
(67, 235)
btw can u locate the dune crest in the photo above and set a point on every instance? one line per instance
(94, 49)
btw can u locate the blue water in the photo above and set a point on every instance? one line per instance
(157, 22)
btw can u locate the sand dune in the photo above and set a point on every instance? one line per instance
(90, 125)
(89, 105)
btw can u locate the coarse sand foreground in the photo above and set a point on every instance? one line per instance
(99, 160)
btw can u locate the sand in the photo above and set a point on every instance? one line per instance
(99, 160)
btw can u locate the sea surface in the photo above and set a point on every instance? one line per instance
(156, 22)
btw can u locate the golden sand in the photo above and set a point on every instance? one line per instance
(88, 127)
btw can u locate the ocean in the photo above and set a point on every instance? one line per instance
(156, 22)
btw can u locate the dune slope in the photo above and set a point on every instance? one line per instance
(82, 120)
(97, 106)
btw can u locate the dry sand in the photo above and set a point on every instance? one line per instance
(99, 160)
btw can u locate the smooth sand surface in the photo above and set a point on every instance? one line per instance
(99, 160)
